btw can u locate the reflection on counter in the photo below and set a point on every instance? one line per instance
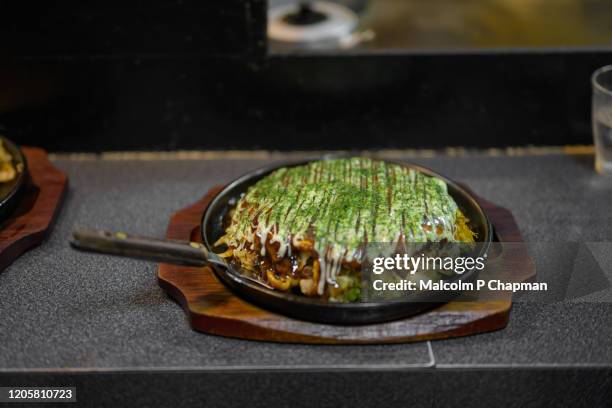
(471, 24)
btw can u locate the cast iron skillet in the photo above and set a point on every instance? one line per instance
(10, 192)
(293, 305)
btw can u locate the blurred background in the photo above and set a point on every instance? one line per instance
(287, 75)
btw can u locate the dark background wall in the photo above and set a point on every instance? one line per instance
(123, 75)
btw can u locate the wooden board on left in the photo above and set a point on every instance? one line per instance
(38, 206)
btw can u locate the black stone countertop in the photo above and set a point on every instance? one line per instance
(103, 323)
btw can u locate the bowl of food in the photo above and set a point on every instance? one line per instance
(299, 229)
(13, 174)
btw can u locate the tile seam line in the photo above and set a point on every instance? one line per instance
(343, 368)
(347, 368)
(432, 356)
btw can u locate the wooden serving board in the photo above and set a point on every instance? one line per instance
(214, 309)
(37, 209)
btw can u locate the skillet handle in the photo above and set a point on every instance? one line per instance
(122, 244)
